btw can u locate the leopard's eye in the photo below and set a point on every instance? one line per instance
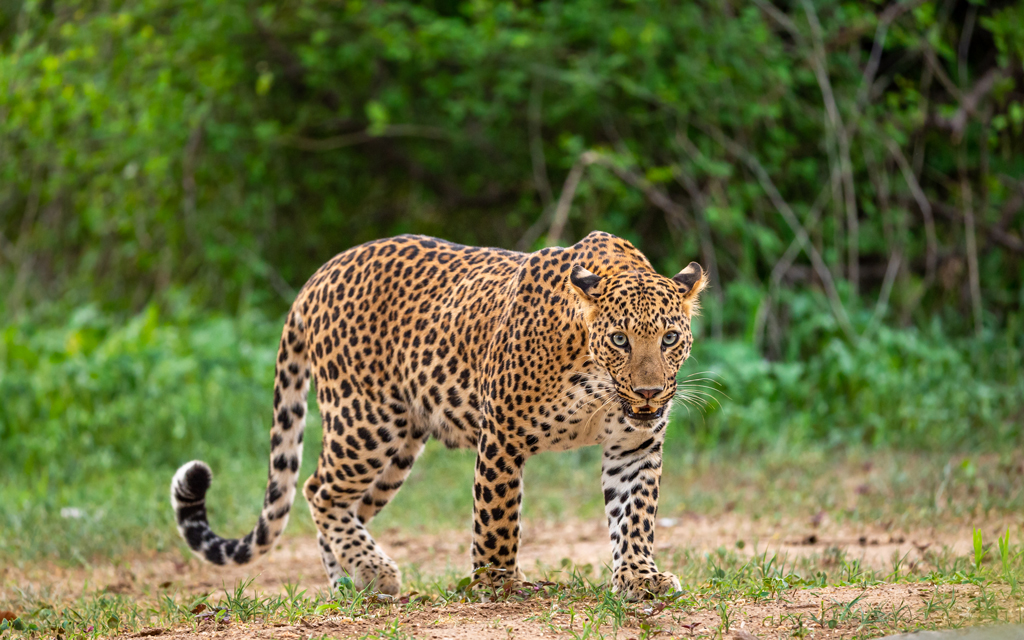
(619, 339)
(670, 339)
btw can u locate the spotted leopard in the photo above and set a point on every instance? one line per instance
(508, 353)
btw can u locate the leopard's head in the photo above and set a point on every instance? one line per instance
(639, 332)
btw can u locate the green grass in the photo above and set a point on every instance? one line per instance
(130, 513)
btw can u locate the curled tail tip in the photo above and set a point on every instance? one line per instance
(191, 482)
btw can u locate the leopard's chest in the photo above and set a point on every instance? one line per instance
(569, 413)
(580, 415)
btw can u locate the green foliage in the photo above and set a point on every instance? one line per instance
(156, 390)
(905, 388)
(233, 147)
(145, 392)
(98, 412)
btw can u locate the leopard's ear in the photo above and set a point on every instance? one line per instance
(588, 285)
(692, 281)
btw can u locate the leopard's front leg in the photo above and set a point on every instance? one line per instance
(497, 498)
(630, 476)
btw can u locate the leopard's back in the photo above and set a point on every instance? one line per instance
(397, 332)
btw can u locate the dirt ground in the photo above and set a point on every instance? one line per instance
(506, 620)
(296, 561)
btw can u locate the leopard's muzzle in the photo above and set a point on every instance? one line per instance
(644, 413)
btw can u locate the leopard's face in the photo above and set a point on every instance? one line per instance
(639, 333)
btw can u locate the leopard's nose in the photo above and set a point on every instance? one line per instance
(648, 392)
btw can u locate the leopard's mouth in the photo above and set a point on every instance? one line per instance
(645, 413)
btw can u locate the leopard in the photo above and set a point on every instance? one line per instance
(508, 353)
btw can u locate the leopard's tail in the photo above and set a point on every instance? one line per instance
(190, 483)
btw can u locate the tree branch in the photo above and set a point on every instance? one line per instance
(969, 103)
(845, 163)
(572, 181)
(885, 19)
(882, 305)
(540, 169)
(995, 234)
(972, 244)
(707, 243)
(654, 195)
(783, 264)
(940, 73)
(931, 243)
(362, 137)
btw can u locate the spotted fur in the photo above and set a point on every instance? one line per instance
(508, 353)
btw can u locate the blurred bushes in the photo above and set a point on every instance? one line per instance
(95, 396)
(232, 147)
(906, 388)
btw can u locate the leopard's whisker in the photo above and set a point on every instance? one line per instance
(697, 392)
(711, 390)
(590, 391)
(602, 376)
(688, 393)
(580, 386)
(690, 380)
(599, 409)
(698, 401)
(593, 400)
(695, 389)
(700, 373)
(694, 401)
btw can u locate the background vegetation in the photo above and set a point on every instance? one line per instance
(850, 173)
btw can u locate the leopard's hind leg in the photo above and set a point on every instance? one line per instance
(395, 472)
(361, 467)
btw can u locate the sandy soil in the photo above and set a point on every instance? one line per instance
(540, 619)
(445, 556)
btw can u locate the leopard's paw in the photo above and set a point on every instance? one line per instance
(637, 585)
(505, 580)
(382, 577)
(501, 577)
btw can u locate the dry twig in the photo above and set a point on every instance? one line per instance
(838, 310)
(783, 264)
(540, 168)
(931, 243)
(572, 181)
(969, 103)
(704, 230)
(882, 305)
(361, 137)
(839, 130)
(885, 19)
(972, 245)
